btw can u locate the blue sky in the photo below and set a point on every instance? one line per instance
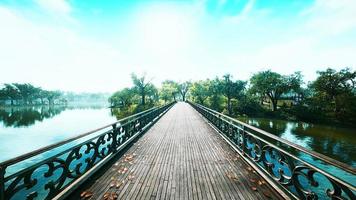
(94, 45)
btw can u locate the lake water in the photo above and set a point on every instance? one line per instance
(335, 142)
(26, 129)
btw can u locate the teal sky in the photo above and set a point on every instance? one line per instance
(94, 45)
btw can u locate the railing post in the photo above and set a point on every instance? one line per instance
(114, 139)
(243, 140)
(2, 182)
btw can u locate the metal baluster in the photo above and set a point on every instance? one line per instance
(2, 182)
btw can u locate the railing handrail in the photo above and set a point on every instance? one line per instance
(320, 156)
(25, 156)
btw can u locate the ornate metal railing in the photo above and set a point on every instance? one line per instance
(272, 157)
(61, 167)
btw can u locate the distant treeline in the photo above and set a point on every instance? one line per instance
(14, 94)
(329, 98)
(144, 94)
(27, 94)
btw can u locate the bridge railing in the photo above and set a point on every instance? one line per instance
(275, 159)
(55, 170)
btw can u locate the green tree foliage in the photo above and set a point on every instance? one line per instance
(200, 91)
(183, 89)
(141, 96)
(334, 94)
(215, 99)
(273, 85)
(231, 90)
(25, 94)
(168, 91)
(122, 98)
(142, 87)
(11, 93)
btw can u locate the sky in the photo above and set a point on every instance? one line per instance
(94, 45)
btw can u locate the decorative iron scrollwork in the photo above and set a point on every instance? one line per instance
(50, 176)
(297, 177)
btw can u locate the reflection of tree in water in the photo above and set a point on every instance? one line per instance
(276, 127)
(27, 116)
(335, 142)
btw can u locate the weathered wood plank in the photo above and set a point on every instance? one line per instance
(180, 157)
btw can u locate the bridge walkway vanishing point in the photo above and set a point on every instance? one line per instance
(180, 157)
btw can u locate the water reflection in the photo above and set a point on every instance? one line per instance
(336, 142)
(27, 116)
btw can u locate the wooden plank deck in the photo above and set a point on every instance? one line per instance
(180, 157)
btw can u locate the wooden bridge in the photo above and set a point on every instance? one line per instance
(180, 157)
(172, 152)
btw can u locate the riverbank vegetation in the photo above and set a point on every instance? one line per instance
(331, 97)
(25, 94)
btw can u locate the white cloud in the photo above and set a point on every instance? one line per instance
(56, 57)
(170, 41)
(56, 6)
(331, 16)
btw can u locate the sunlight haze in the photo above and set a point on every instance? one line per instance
(95, 45)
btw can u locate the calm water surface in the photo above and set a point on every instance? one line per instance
(26, 129)
(335, 142)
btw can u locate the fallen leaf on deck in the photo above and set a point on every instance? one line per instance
(260, 182)
(86, 194)
(231, 176)
(249, 168)
(129, 158)
(119, 183)
(131, 177)
(267, 194)
(110, 196)
(254, 188)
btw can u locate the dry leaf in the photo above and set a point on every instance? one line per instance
(267, 194)
(249, 168)
(106, 195)
(118, 184)
(110, 196)
(86, 194)
(231, 176)
(131, 177)
(254, 188)
(125, 170)
(260, 182)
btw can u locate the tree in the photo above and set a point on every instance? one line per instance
(169, 90)
(141, 86)
(231, 89)
(273, 85)
(215, 97)
(27, 91)
(52, 96)
(152, 94)
(183, 89)
(122, 98)
(11, 92)
(200, 91)
(335, 89)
